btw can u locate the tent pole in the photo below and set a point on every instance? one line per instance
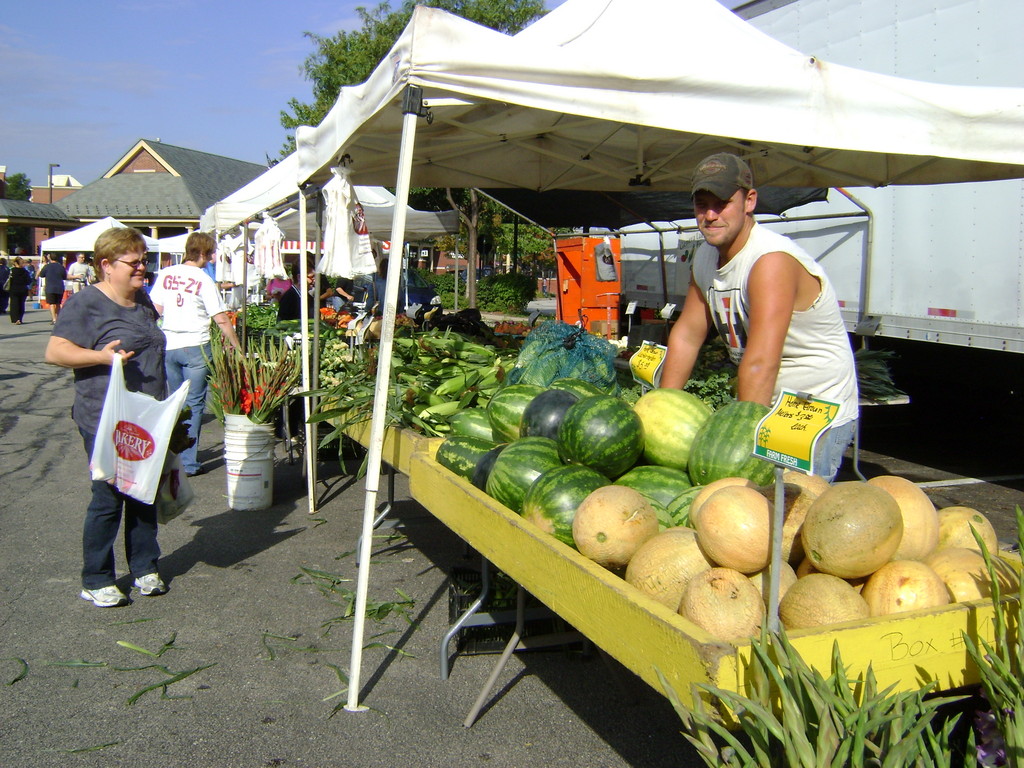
(380, 395)
(310, 451)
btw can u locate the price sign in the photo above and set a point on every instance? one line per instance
(631, 308)
(646, 364)
(667, 310)
(788, 434)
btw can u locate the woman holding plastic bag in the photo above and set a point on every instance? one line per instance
(113, 318)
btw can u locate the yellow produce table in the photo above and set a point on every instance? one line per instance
(906, 650)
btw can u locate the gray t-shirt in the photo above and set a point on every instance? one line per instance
(91, 320)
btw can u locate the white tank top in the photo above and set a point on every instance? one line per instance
(816, 355)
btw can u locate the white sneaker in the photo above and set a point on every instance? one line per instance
(151, 584)
(105, 597)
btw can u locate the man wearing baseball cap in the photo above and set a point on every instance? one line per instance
(770, 302)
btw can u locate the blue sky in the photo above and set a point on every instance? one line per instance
(83, 81)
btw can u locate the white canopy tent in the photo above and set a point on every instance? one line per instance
(83, 239)
(560, 107)
(175, 244)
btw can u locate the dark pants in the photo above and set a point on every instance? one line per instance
(5, 297)
(102, 520)
(18, 306)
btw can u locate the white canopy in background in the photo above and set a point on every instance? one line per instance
(277, 186)
(612, 94)
(175, 244)
(84, 238)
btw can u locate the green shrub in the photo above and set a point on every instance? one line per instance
(494, 293)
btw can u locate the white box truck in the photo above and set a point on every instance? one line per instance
(941, 263)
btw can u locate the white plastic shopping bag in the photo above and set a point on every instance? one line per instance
(175, 492)
(133, 435)
(347, 248)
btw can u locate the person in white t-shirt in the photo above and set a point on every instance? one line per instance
(80, 273)
(770, 302)
(187, 298)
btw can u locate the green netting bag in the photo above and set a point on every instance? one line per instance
(557, 350)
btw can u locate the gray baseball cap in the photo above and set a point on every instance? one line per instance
(722, 174)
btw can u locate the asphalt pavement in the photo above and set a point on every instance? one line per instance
(243, 662)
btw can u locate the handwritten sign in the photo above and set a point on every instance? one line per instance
(631, 308)
(789, 433)
(647, 363)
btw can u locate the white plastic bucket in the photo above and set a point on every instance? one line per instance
(249, 461)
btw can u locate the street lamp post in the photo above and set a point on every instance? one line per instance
(49, 185)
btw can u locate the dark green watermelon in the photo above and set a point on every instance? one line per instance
(544, 415)
(506, 406)
(461, 453)
(601, 432)
(516, 467)
(483, 467)
(659, 484)
(472, 422)
(552, 500)
(724, 446)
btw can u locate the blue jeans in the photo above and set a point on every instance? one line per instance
(828, 454)
(189, 364)
(102, 520)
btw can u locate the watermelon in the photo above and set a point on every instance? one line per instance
(659, 484)
(679, 508)
(483, 468)
(461, 453)
(545, 413)
(551, 502)
(601, 432)
(578, 386)
(724, 445)
(671, 418)
(515, 469)
(506, 406)
(473, 422)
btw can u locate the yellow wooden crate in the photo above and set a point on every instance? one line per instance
(399, 444)
(906, 650)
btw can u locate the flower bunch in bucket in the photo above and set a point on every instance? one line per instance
(255, 384)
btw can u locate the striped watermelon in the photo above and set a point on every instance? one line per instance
(472, 422)
(679, 508)
(483, 468)
(506, 406)
(517, 466)
(659, 484)
(578, 386)
(671, 418)
(461, 453)
(601, 432)
(724, 445)
(551, 502)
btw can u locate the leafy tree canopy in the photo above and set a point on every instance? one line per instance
(19, 187)
(348, 58)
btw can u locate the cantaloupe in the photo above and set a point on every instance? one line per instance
(820, 599)
(787, 578)
(852, 529)
(733, 528)
(806, 568)
(707, 490)
(964, 573)
(723, 602)
(904, 585)
(798, 499)
(664, 563)
(611, 524)
(920, 518)
(815, 484)
(955, 525)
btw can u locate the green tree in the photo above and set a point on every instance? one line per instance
(19, 187)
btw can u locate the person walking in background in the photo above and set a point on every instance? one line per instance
(5, 272)
(188, 299)
(19, 284)
(53, 276)
(81, 273)
(113, 317)
(289, 306)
